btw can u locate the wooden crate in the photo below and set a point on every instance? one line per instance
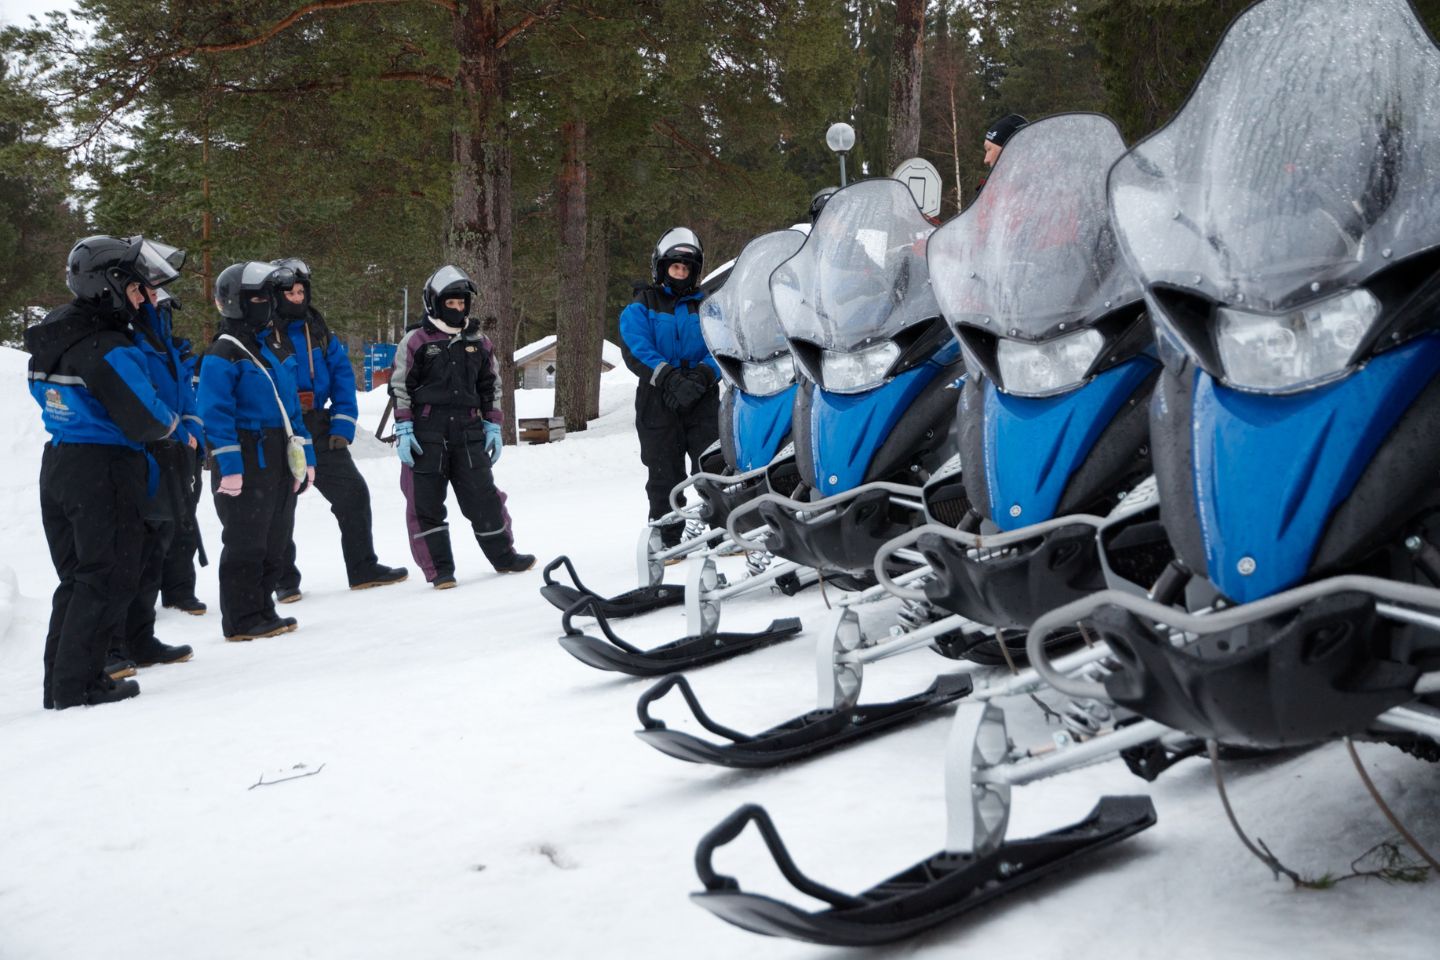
(541, 429)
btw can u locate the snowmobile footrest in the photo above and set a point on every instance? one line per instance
(628, 604)
(804, 736)
(931, 892)
(613, 653)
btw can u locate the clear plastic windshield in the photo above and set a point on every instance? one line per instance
(861, 274)
(1035, 251)
(739, 319)
(256, 272)
(1305, 161)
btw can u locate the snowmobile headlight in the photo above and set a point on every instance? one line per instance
(1283, 353)
(764, 378)
(859, 370)
(1049, 367)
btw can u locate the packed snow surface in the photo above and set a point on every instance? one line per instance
(482, 793)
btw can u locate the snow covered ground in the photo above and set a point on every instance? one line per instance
(482, 793)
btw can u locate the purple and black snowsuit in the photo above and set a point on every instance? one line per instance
(445, 385)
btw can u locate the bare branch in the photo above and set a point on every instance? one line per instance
(528, 21)
(287, 22)
(262, 782)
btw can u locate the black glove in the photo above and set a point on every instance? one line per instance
(681, 391)
(338, 443)
(703, 375)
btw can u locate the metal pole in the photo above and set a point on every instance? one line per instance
(842, 169)
(405, 308)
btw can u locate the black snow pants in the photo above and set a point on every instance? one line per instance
(340, 483)
(668, 436)
(162, 515)
(178, 574)
(92, 499)
(452, 454)
(257, 527)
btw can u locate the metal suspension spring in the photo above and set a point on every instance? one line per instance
(914, 614)
(757, 562)
(693, 528)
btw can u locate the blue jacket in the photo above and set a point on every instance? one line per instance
(90, 380)
(323, 367)
(168, 372)
(236, 396)
(659, 328)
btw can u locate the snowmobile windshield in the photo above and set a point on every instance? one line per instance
(739, 319)
(1304, 162)
(861, 274)
(1034, 256)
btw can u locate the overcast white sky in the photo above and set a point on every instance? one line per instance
(16, 11)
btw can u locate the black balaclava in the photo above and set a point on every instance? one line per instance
(678, 287)
(257, 315)
(452, 317)
(292, 311)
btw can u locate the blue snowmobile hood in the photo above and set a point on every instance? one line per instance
(760, 426)
(1034, 445)
(848, 429)
(1271, 470)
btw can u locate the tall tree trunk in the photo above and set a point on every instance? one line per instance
(481, 215)
(903, 127)
(597, 308)
(575, 355)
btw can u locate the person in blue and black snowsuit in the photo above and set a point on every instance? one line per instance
(177, 583)
(100, 409)
(260, 450)
(677, 403)
(169, 506)
(326, 382)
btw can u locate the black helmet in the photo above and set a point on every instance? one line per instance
(678, 245)
(301, 270)
(239, 283)
(817, 202)
(445, 283)
(99, 269)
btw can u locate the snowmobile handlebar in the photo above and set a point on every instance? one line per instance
(731, 827)
(1216, 622)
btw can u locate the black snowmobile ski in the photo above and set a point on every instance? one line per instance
(628, 604)
(612, 653)
(804, 736)
(931, 892)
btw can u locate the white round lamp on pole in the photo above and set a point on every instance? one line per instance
(840, 138)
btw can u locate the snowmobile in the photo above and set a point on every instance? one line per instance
(1290, 258)
(1053, 417)
(874, 446)
(740, 328)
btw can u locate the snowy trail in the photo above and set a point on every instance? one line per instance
(483, 795)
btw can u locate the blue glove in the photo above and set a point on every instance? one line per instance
(406, 446)
(493, 444)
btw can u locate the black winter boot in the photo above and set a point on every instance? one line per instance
(149, 654)
(102, 690)
(378, 576)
